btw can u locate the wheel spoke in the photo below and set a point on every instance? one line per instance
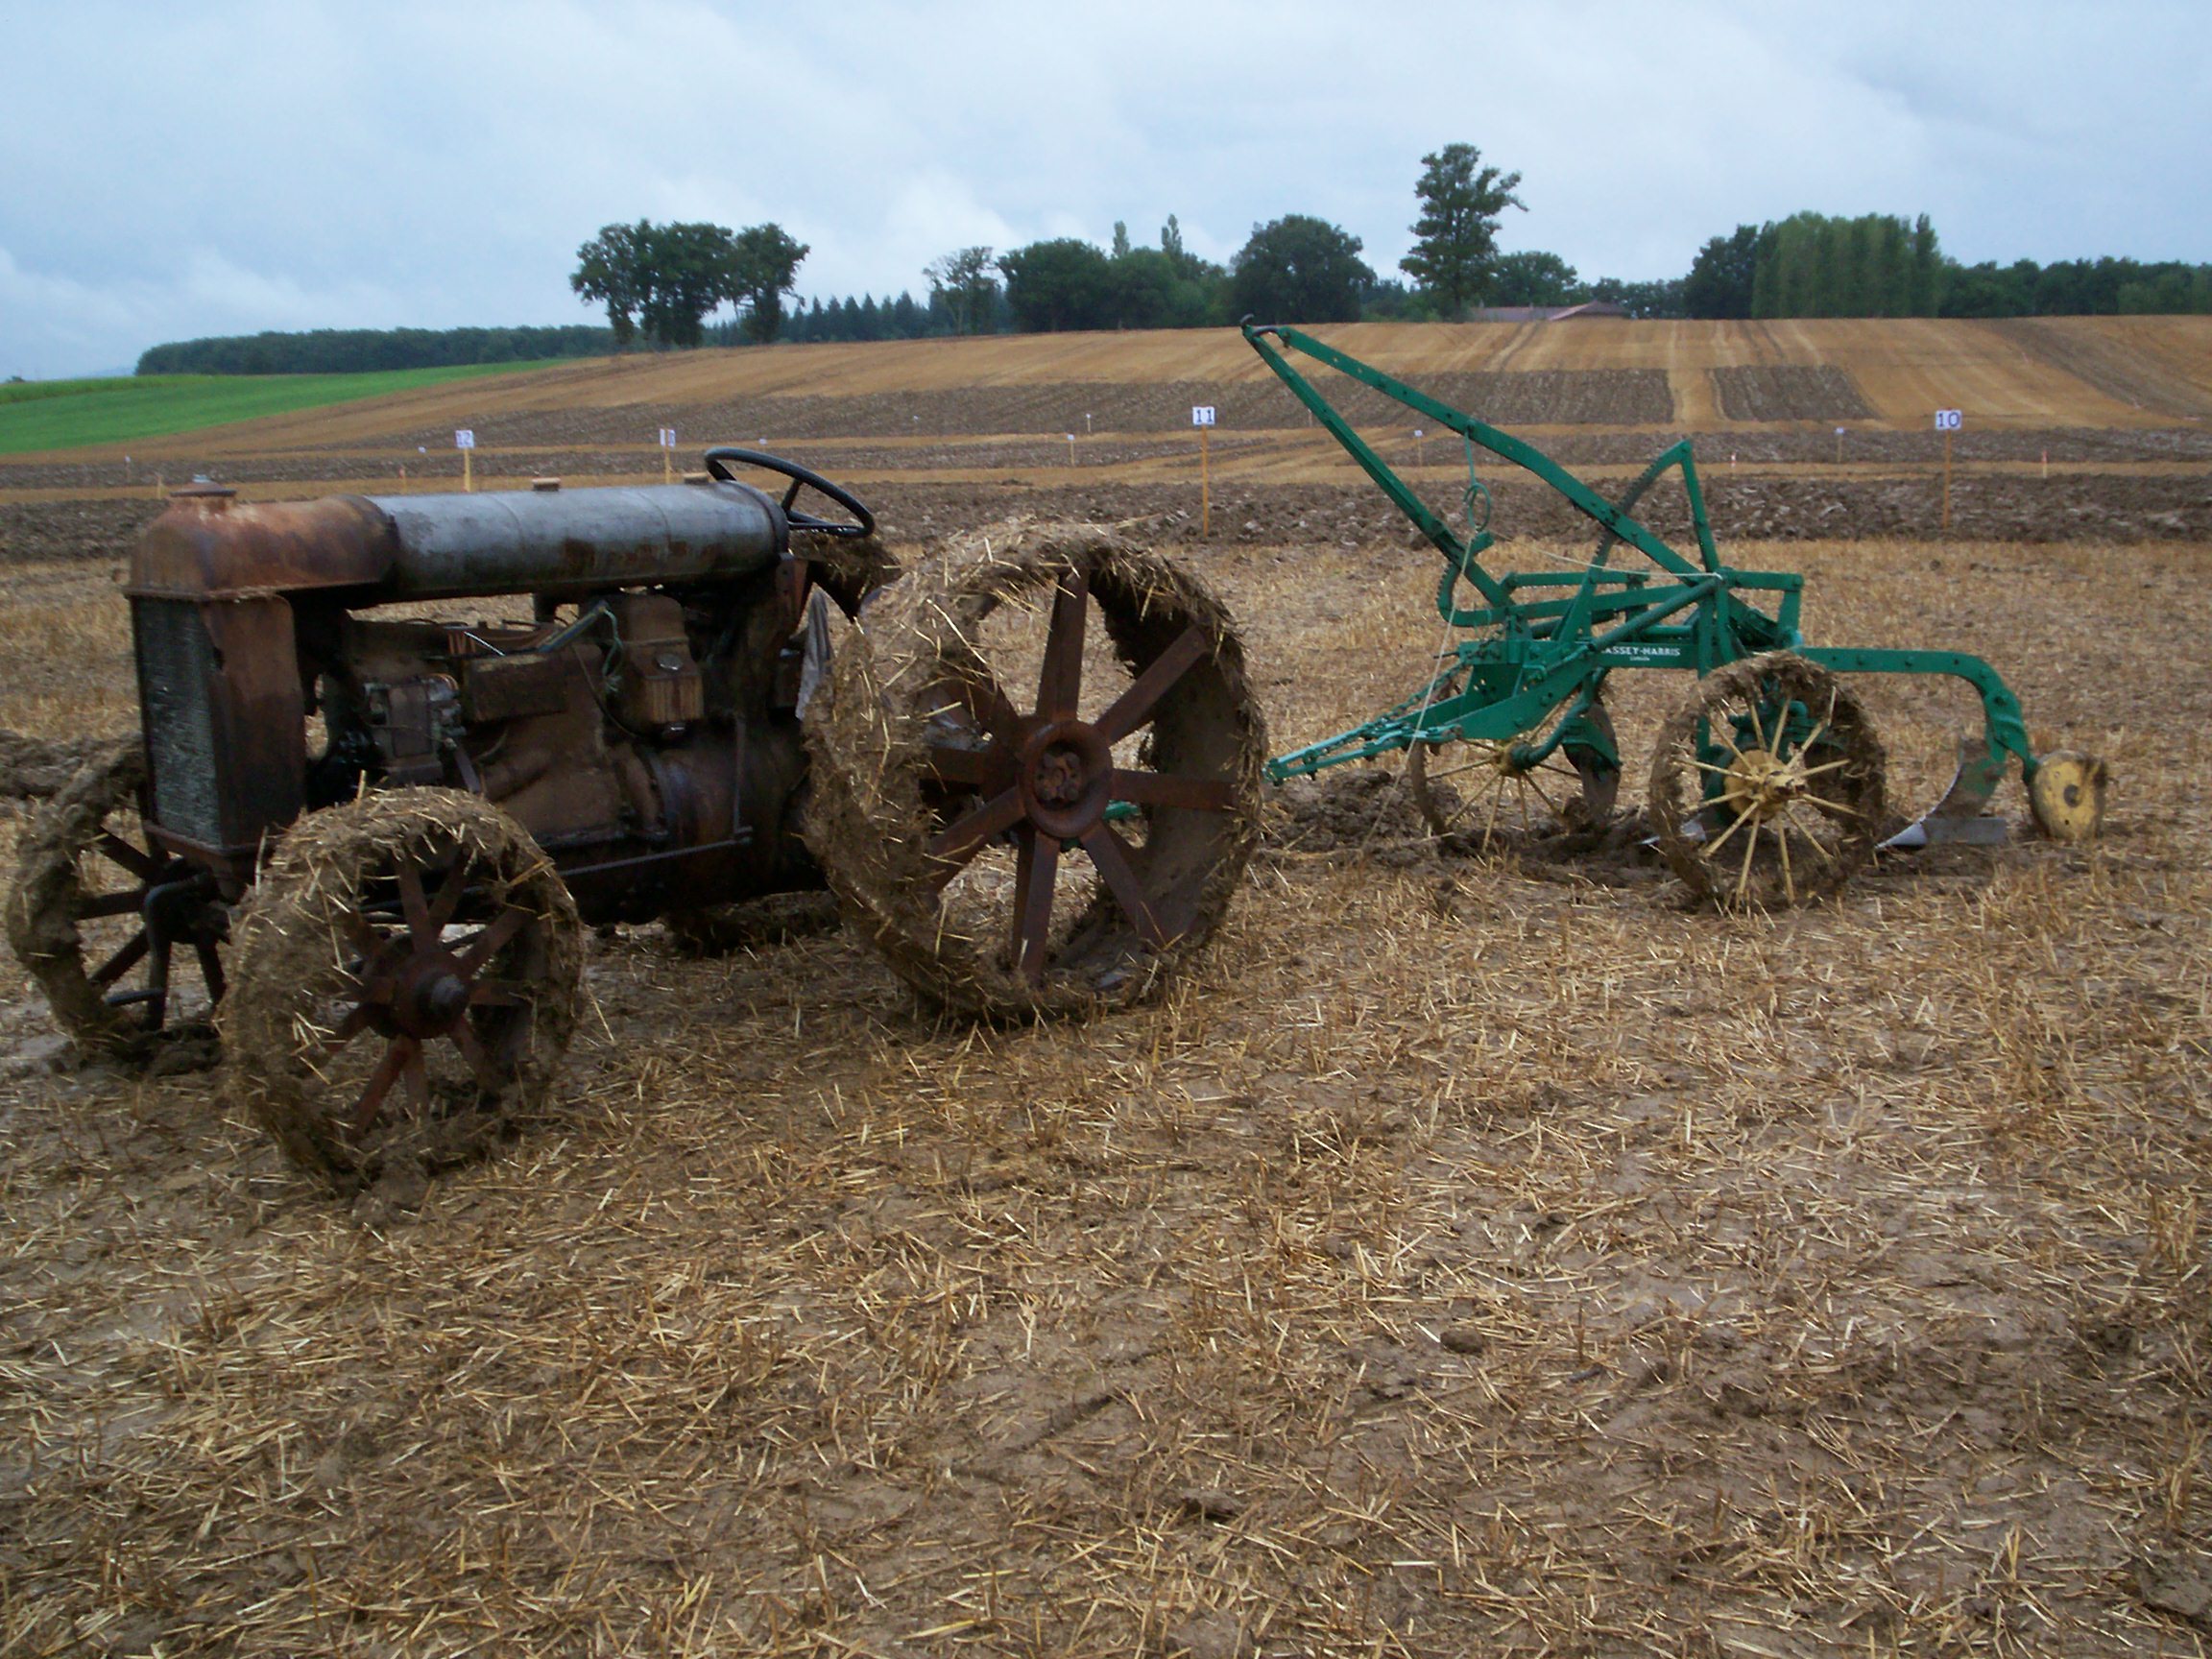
(1172, 789)
(975, 690)
(414, 907)
(109, 904)
(362, 931)
(965, 837)
(122, 962)
(355, 1022)
(1036, 868)
(1706, 848)
(1528, 779)
(418, 1078)
(1135, 705)
(448, 905)
(473, 1050)
(1060, 681)
(141, 864)
(1788, 883)
(1824, 766)
(980, 768)
(1758, 727)
(397, 1054)
(1111, 854)
(482, 947)
(1834, 808)
(1744, 876)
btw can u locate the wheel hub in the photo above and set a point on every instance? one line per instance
(1067, 777)
(430, 996)
(1760, 786)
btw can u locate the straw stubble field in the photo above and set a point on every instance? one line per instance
(1471, 1257)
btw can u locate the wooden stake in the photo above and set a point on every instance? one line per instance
(1205, 490)
(468, 471)
(1946, 478)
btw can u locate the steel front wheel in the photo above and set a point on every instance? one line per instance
(1766, 787)
(404, 982)
(1481, 795)
(122, 936)
(1027, 812)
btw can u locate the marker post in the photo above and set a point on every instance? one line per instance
(465, 441)
(1202, 417)
(1947, 422)
(668, 454)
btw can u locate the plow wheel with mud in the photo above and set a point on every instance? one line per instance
(123, 937)
(1036, 772)
(1481, 795)
(404, 982)
(1767, 788)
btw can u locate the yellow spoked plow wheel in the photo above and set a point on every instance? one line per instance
(1767, 785)
(1473, 791)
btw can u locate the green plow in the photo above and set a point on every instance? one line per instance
(1766, 786)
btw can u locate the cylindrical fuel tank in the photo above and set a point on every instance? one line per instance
(384, 548)
(573, 540)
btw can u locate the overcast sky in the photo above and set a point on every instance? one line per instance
(171, 171)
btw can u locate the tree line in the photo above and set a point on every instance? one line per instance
(355, 350)
(1877, 265)
(666, 285)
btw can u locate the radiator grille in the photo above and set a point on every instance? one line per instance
(175, 680)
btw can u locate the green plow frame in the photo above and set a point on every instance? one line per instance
(1537, 645)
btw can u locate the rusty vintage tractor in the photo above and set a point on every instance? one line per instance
(367, 822)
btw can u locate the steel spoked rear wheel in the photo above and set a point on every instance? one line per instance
(405, 982)
(122, 936)
(1037, 772)
(1767, 788)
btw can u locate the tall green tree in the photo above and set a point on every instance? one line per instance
(610, 270)
(1455, 237)
(764, 267)
(667, 279)
(1720, 276)
(1063, 283)
(1535, 279)
(967, 281)
(1299, 269)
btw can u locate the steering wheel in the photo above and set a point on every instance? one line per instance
(801, 478)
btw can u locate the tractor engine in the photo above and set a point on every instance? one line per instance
(635, 711)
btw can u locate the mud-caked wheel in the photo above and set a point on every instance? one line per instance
(1484, 796)
(1026, 813)
(1766, 787)
(404, 980)
(122, 936)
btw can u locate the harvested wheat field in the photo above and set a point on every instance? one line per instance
(1478, 1252)
(1475, 1255)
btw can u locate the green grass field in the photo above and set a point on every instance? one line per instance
(65, 414)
